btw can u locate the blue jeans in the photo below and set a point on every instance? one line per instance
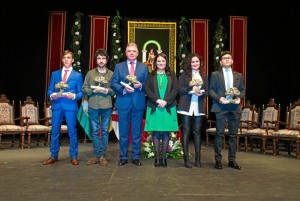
(100, 119)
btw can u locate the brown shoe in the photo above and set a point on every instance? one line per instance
(92, 161)
(74, 161)
(50, 161)
(103, 161)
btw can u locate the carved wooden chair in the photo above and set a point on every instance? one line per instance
(249, 116)
(291, 133)
(48, 120)
(8, 121)
(29, 111)
(270, 115)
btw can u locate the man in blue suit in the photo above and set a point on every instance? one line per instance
(64, 104)
(130, 103)
(226, 109)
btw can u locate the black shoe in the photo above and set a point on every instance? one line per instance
(122, 162)
(218, 165)
(156, 163)
(137, 162)
(163, 162)
(234, 165)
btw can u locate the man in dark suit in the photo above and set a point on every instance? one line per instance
(130, 103)
(226, 109)
(64, 105)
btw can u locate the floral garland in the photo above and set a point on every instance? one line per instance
(174, 149)
(219, 40)
(184, 39)
(115, 43)
(76, 41)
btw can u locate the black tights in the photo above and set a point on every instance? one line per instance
(157, 135)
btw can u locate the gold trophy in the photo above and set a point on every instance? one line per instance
(101, 83)
(196, 82)
(232, 94)
(131, 80)
(61, 86)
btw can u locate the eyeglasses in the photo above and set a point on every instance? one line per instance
(226, 58)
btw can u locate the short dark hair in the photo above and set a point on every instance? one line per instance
(225, 52)
(101, 52)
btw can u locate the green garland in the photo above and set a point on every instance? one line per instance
(76, 41)
(184, 40)
(116, 49)
(219, 40)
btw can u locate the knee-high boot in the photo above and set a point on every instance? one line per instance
(186, 139)
(197, 142)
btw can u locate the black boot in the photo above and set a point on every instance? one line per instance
(156, 162)
(187, 162)
(163, 162)
(185, 120)
(197, 141)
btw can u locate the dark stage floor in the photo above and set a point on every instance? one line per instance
(263, 177)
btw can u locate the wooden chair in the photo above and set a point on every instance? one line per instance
(211, 131)
(291, 133)
(29, 111)
(249, 116)
(270, 115)
(8, 121)
(48, 122)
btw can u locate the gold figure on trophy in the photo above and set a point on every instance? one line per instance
(61, 86)
(196, 82)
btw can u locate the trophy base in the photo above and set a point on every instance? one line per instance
(192, 92)
(97, 87)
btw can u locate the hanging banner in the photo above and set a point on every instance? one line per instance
(199, 42)
(98, 36)
(238, 43)
(56, 43)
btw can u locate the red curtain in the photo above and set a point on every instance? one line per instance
(238, 43)
(56, 42)
(199, 41)
(98, 36)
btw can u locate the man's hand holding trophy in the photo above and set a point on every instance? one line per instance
(196, 83)
(132, 80)
(101, 86)
(232, 96)
(61, 86)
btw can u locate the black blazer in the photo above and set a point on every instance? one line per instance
(185, 97)
(152, 92)
(217, 90)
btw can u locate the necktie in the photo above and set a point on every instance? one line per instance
(228, 83)
(65, 76)
(132, 68)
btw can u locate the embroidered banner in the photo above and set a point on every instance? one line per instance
(98, 36)
(56, 43)
(199, 42)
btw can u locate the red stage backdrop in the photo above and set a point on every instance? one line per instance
(238, 43)
(56, 43)
(199, 42)
(98, 36)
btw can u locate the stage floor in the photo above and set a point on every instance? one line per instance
(263, 177)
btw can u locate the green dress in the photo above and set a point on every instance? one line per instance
(161, 120)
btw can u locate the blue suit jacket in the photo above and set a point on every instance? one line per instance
(217, 90)
(136, 99)
(74, 81)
